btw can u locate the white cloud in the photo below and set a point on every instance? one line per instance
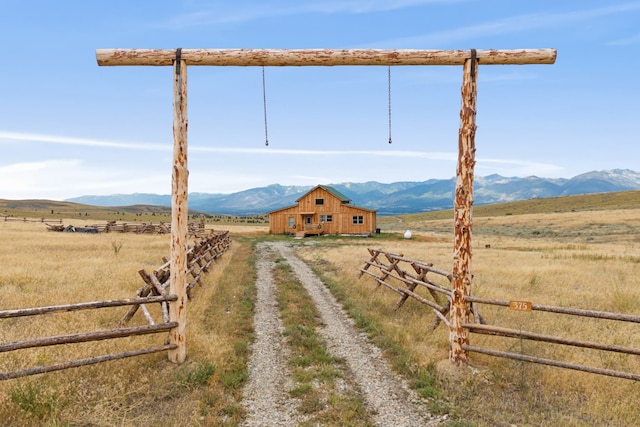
(521, 168)
(514, 24)
(60, 179)
(266, 151)
(220, 15)
(86, 142)
(626, 41)
(364, 6)
(234, 169)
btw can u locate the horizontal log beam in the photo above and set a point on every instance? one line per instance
(516, 333)
(5, 314)
(83, 362)
(320, 57)
(551, 362)
(88, 336)
(562, 310)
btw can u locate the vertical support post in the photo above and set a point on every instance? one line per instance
(460, 311)
(179, 212)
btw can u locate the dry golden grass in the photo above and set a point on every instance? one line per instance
(245, 229)
(614, 225)
(42, 268)
(575, 259)
(588, 263)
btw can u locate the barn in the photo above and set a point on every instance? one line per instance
(322, 210)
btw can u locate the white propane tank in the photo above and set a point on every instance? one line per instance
(407, 234)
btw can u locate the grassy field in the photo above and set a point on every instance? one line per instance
(582, 258)
(72, 213)
(44, 268)
(558, 255)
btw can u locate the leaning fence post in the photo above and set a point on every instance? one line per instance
(460, 310)
(179, 184)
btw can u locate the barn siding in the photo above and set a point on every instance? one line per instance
(342, 215)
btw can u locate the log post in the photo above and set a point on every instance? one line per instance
(179, 212)
(460, 310)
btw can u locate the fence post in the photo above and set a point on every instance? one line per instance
(460, 311)
(179, 212)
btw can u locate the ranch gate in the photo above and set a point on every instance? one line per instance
(460, 309)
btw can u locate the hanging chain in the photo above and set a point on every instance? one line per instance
(389, 81)
(264, 104)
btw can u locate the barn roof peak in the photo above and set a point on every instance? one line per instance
(331, 190)
(336, 193)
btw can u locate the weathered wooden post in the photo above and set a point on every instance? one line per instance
(179, 212)
(460, 311)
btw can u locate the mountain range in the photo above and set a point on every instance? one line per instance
(390, 199)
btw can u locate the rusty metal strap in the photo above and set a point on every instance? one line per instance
(178, 60)
(474, 56)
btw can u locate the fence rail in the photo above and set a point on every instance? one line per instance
(5, 314)
(391, 272)
(562, 310)
(551, 362)
(7, 218)
(83, 362)
(194, 229)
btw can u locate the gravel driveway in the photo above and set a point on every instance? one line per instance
(266, 398)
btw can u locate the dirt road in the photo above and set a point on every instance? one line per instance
(387, 396)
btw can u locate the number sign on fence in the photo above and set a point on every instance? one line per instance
(520, 305)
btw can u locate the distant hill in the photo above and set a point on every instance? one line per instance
(584, 202)
(391, 199)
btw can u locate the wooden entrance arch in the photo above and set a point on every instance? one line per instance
(460, 312)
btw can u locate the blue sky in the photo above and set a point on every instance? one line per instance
(69, 127)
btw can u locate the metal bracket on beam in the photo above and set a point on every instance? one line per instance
(178, 60)
(473, 62)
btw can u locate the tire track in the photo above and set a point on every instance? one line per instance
(388, 398)
(265, 394)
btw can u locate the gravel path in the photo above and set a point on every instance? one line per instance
(387, 396)
(265, 395)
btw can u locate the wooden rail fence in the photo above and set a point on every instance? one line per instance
(199, 257)
(207, 249)
(83, 337)
(7, 218)
(405, 276)
(194, 229)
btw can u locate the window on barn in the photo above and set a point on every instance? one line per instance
(326, 218)
(358, 219)
(319, 201)
(292, 222)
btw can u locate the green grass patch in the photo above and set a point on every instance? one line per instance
(315, 370)
(230, 313)
(197, 376)
(35, 400)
